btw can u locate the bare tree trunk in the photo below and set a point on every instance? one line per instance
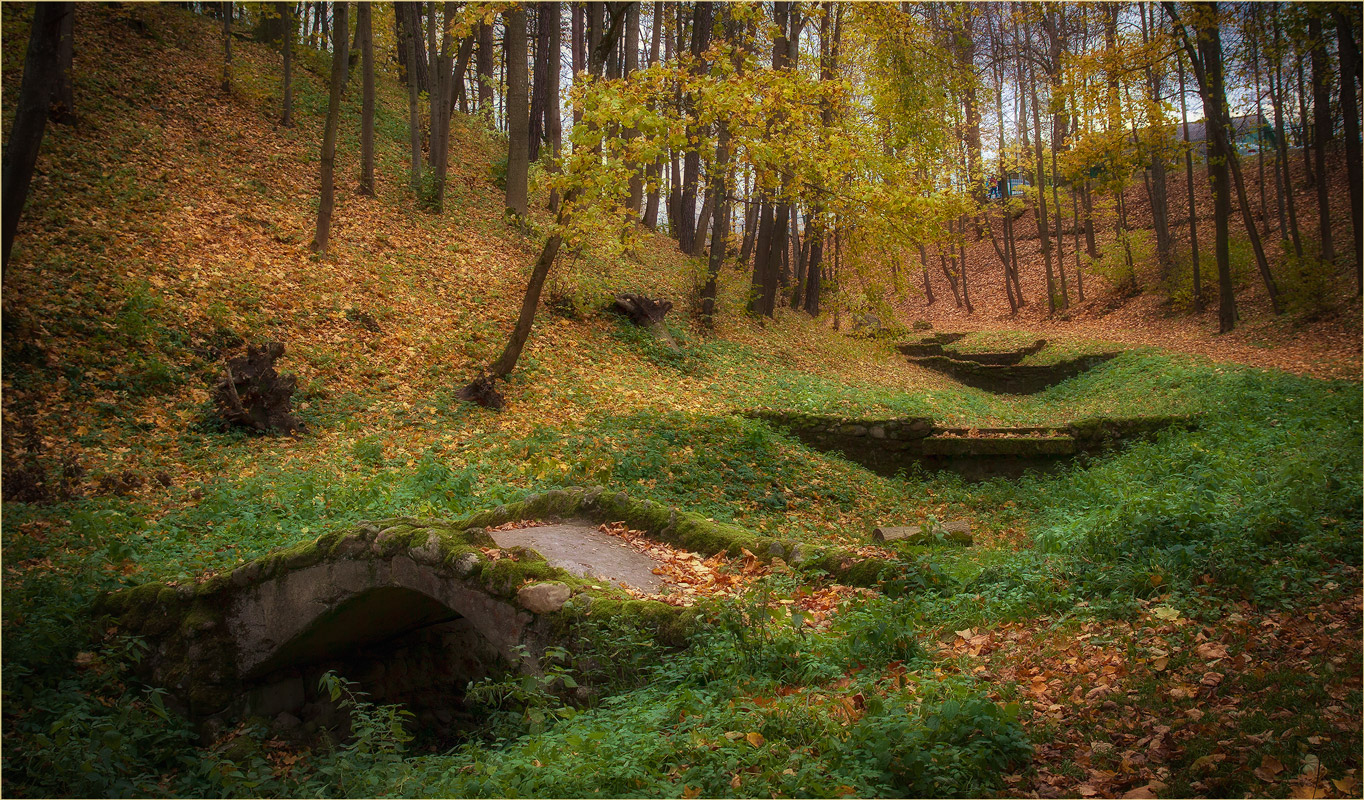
(1286, 192)
(1207, 66)
(1079, 275)
(63, 95)
(1321, 108)
(531, 301)
(554, 126)
(486, 60)
(539, 86)
(340, 56)
(227, 47)
(1305, 127)
(365, 34)
(630, 65)
(928, 284)
(518, 115)
(412, 13)
(1348, 47)
(30, 116)
(719, 228)
(691, 167)
(287, 50)
(1043, 232)
(1189, 185)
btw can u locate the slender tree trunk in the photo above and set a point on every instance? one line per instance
(539, 79)
(1259, 113)
(719, 227)
(63, 95)
(1286, 194)
(1087, 200)
(1207, 65)
(691, 167)
(365, 34)
(486, 60)
(340, 57)
(961, 246)
(30, 117)
(553, 124)
(412, 13)
(928, 284)
(1189, 185)
(518, 115)
(1079, 275)
(531, 301)
(629, 66)
(752, 212)
(1348, 47)
(1305, 127)
(227, 47)
(1043, 231)
(286, 11)
(1321, 107)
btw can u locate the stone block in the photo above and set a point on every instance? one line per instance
(543, 598)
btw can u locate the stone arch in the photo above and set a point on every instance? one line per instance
(267, 619)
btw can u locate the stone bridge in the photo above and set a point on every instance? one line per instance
(412, 609)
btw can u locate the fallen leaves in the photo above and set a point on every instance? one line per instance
(1269, 768)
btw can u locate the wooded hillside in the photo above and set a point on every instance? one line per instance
(961, 457)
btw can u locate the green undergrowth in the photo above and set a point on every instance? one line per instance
(1260, 503)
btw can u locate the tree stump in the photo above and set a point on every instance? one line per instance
(647, 312)
(483, 391)
(252, 395)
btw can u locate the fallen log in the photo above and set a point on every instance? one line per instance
(953, 531)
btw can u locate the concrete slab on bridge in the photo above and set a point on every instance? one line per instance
(581, 549)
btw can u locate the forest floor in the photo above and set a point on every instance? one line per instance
(1180, 618)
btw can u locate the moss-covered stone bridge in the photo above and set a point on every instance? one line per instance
(413, 609)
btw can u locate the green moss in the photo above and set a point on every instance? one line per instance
(670, 626)
(505, 576)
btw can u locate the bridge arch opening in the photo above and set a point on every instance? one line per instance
(397, 645)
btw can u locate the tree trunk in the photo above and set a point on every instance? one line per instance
(486, 60)
(1280, 97)
(442, 79)
(928, 284)
(553, 125)
(1207, 66)
(518, 119)
(538, 81)
(1348, 47)
(408, 22)
(1043, 231)
(720, 226)
(286, 47)
(63, 95)
(325, 22)
(1189, 185)
(411, 12)
(1304, 128)
(30, 116)
(629, 66)
(1321, 108)
(365, 34)
(227, 47)
(691, 166)
(507, 362)
(340, 57)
